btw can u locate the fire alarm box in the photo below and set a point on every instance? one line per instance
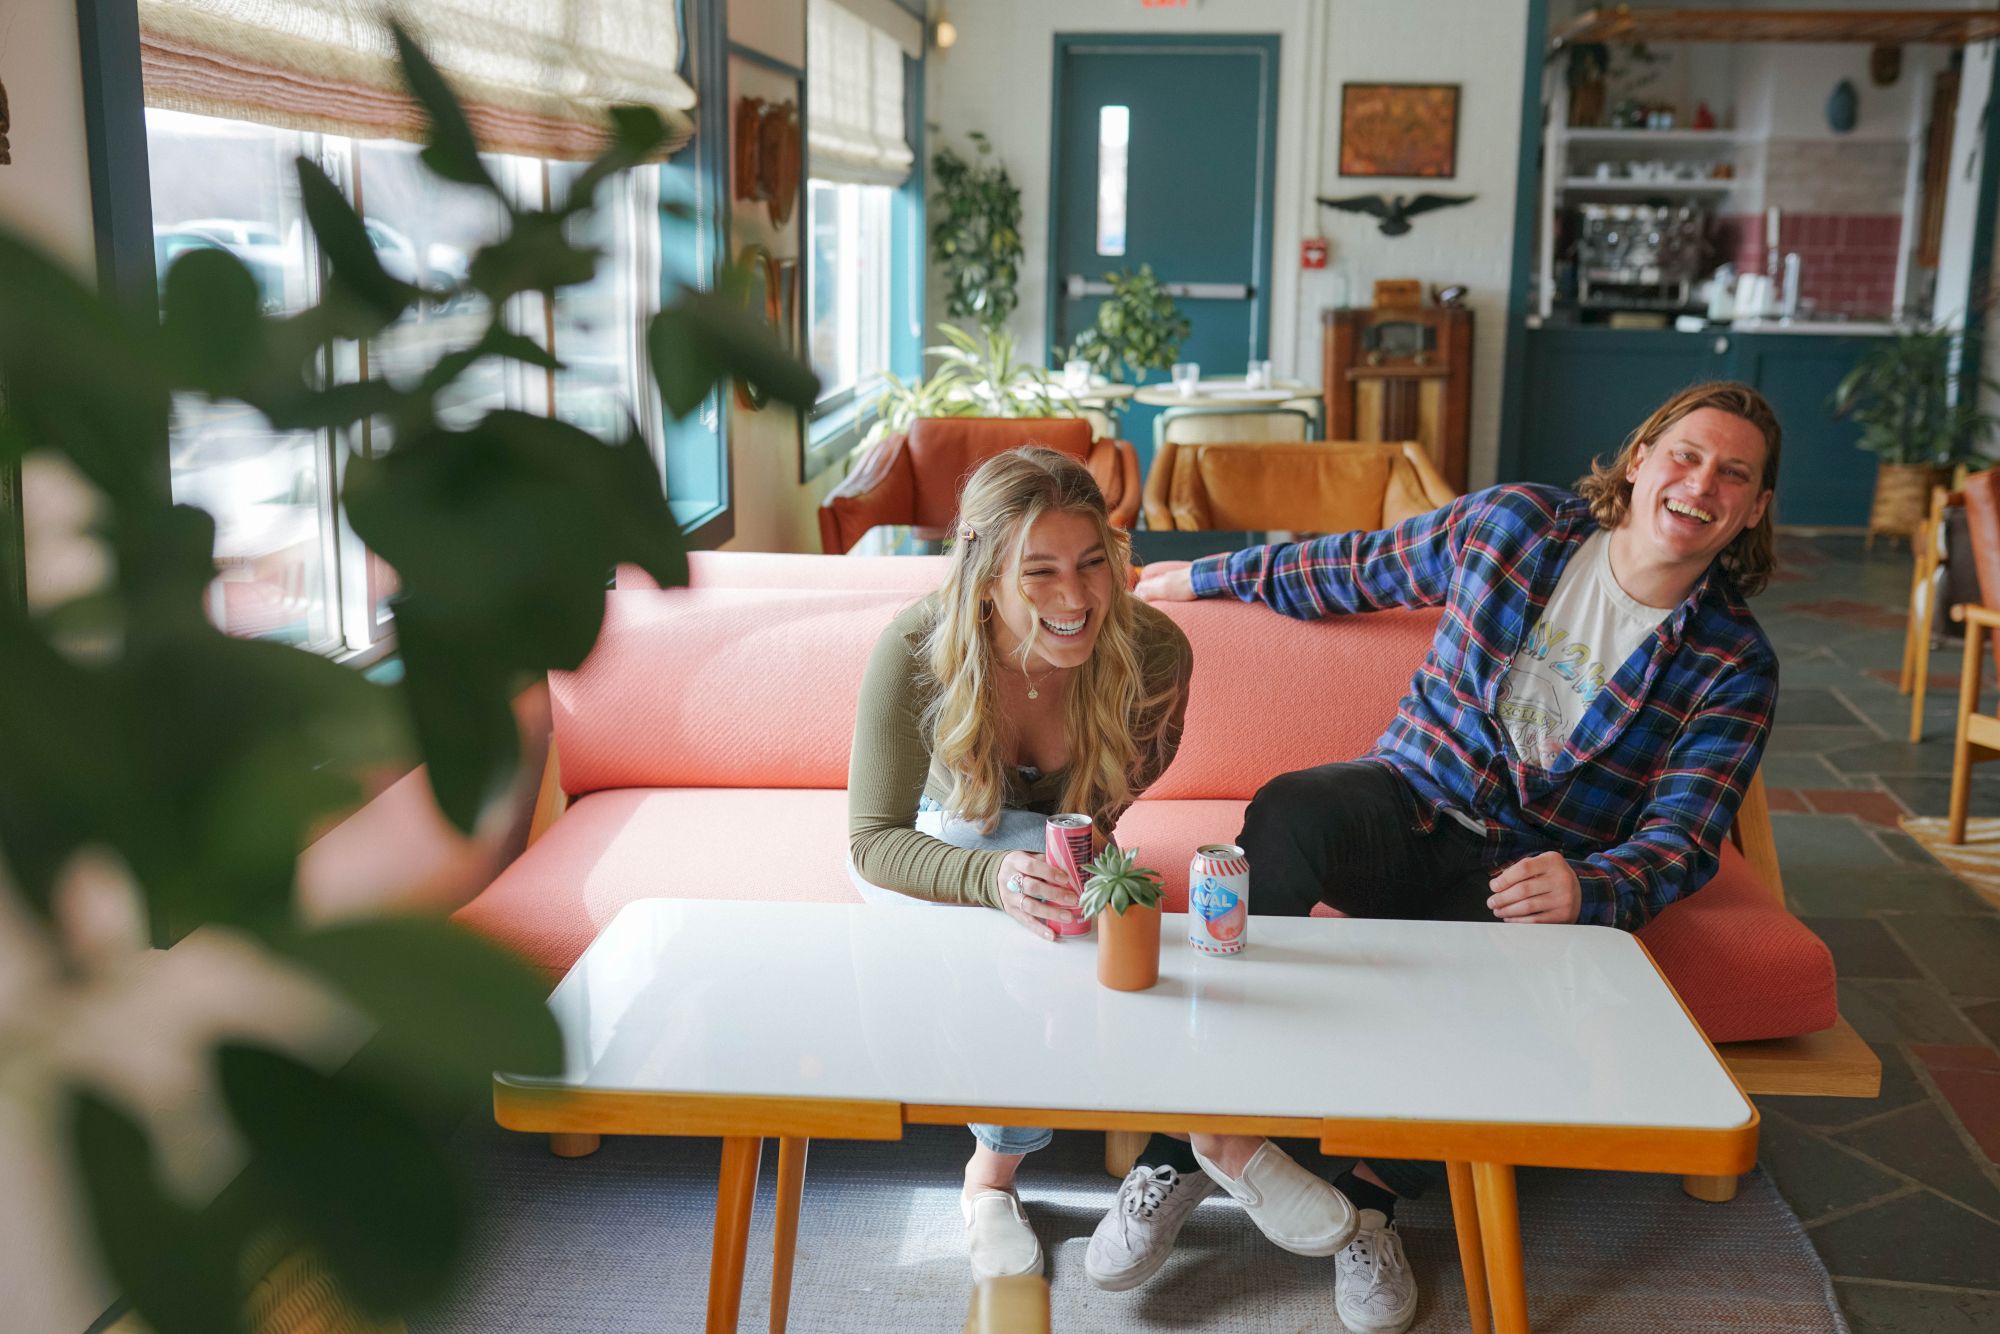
(1312, 253)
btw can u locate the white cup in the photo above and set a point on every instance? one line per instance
(1258, 376)
(1076, 376)
(1187, 375)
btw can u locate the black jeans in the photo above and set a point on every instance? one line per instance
(1345, 835)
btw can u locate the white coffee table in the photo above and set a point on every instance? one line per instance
(1488, 1046)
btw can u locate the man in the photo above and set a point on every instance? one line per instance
(1573, 749)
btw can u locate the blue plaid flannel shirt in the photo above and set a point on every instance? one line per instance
(1647, 787)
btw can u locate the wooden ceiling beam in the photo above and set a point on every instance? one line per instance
(1619, 23)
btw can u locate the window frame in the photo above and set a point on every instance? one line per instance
(122, 224)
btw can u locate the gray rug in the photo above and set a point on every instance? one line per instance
(620, 1241)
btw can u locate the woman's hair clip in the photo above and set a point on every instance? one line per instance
(965, 533)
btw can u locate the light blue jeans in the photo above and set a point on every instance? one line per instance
(1016, 831)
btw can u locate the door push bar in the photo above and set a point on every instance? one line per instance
(1079, 287)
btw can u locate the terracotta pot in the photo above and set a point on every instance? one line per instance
(1128, 948)
(1903, 497)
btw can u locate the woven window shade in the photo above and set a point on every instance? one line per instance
(536, 76)
(854, 99)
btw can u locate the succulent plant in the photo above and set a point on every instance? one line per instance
(1116, 880)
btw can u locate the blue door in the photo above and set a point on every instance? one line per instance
(1164, 154)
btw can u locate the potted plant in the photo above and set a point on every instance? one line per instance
(976, 235)
(1919, 414)
(163, 774)
(1128, 948)
(977, 376)
(1138, 328)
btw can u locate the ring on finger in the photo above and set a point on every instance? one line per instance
(1014, 883)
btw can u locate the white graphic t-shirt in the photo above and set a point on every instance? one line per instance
(1587, 631)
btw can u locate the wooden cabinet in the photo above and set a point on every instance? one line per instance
(1394, 373)
(1588, 388)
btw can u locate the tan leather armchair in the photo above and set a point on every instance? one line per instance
(1315, 487)
(915, 479)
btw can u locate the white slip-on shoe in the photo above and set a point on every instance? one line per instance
(1135, 1238)
(996, 1228)
(1374, 1291)
(1294, 1208)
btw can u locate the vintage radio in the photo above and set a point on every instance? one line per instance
(1401, 372)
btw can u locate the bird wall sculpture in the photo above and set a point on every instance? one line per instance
(1395, 214)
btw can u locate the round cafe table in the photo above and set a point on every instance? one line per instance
(1101, 394)
(1226, 392)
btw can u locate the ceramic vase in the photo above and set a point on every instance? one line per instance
(1128, 948)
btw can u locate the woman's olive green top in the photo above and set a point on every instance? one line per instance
(891, 767)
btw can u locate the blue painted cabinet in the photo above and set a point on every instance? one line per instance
(1588, 388)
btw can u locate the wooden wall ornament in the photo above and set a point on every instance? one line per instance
(764, 297)
(768, 156)
(6, 154)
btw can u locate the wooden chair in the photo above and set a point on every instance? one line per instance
(1978, 738)
(1929, 549)
(1189, 426)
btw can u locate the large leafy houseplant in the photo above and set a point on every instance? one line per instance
(153, 763)
(976, 234)
(977, 375)
(1901, 395)
(1138, 328)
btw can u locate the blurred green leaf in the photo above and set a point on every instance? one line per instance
(212, 328)
(500, 342)
(704, 337)
(636, 134)
(457, 701)
(535, 257)
(80, 380)
(451, 151)
(351, 1173)
(177, 1269)
(453, 1007)
(344, 240)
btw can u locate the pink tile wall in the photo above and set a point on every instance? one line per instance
(1847, 261)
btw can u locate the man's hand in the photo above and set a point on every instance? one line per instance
(1166, 581)
(1541, 888)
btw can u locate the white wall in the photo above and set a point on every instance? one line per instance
(1962, 195)
(46, 192)
(997, 79)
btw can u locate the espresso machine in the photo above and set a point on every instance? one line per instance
(1639, 256)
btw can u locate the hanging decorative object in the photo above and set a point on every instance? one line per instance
(6, 155)
(768, 155)
(1885, 64)
(1843, 108)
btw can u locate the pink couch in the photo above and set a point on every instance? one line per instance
(704, 745)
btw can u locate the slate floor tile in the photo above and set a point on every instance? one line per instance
(1815, 1175)
(1906, 848)
(1915, 1238)
(1930, 794)
(1863, 890)
(1963, 953)
(1889, 1011)
(1872, 756)
(1814, 704)
(1899, 1089)
(1876, 808)
(1862, 947)
(1985, 1016)
(1798, 771)
(1812, 840)
(1852, 612)
(1808, 739)
(1920, 1142)
(1974, 1096)
(1880, 1309)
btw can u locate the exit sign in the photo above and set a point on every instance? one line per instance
(1163, 4)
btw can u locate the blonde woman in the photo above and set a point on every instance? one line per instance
(1031, 683)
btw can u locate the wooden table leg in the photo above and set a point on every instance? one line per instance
(785, 1226)
(1471, 1251)
(1500, 1234)
(573, 1146)
(735, 1192)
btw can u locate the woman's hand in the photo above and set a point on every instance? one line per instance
(1166, 581)
(1034, 893)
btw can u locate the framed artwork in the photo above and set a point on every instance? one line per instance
(1399, 129)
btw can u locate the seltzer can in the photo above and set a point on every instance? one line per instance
(1218, 899)
(1067, 842)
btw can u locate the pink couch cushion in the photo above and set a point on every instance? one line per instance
(1270, 694)
(610, 848)
(1167, 833)
(718, 688)
(1745, 966)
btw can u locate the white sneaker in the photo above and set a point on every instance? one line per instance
(1294, 1208)
(1135, 1238)
(996, 1227)
(1374, 1291)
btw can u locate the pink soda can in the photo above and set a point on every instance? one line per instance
(1218, 899)
(1067, 842)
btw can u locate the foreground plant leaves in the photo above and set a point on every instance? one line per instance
(351, 1173)
(170, 1261)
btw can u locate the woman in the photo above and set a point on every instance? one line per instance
(1031, 683)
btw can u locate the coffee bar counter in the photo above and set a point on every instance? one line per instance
(1587, 386)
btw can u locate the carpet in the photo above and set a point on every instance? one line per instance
(1975, 861)
(619, 1241)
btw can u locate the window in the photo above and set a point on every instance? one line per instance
(1114, 134)
(848, 312)
(289, 567)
